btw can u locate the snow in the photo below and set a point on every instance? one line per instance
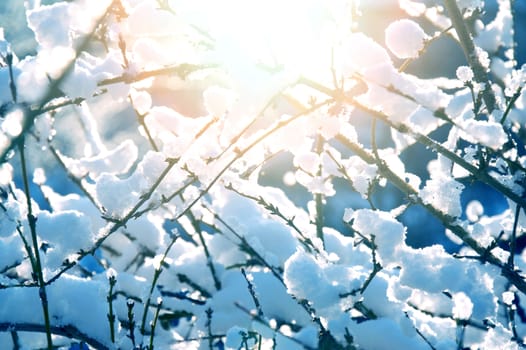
(306, 279)
(508, 298)
(412, 8)
(80, 82)
(51, 25)
(116, 161)
(13, 251)
(308, 162)
(470, 4)
(218, 101)
(308, 336)
(497, 33)
(226, 200)
(76, 235)
(443, 193)
(275, 301)
(498, 338)
(74, 302)
(142, 101)
(363, 53)
(474, 210)
(12, 123)
(117, 196)
(236, 337)
(388, 234)
(139, 22)
(147, 231)
(463, 307)
(517, 81)
(464, 73)
(225, 312)
(405, 38)
(32, 80)
(482, 56)
(150, 54)
(487, 133)
(367, 335)
(362, 174)
(44, 129)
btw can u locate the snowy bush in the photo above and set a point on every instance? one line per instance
(139, 148)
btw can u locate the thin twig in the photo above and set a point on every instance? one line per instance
(478, 173)
(182, 70)
(252, 292)
(510, 104)
(449, 222)
(154, 322)
(39, 274)
(50, 92)
(111, 315)
(209, 260)
(466, 42)
(274, 210)
(513, 239)
(156, 275)
(116, 224)
(318, 197)
(241, 153)
(68, 331)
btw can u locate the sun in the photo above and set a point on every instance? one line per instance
(296, 35)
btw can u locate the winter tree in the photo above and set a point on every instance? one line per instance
(246, 174)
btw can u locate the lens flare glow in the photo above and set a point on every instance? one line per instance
(297, 35)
